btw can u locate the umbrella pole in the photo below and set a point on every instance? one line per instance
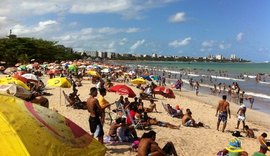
(60, 96)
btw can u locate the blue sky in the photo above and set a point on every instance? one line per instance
(166, 27)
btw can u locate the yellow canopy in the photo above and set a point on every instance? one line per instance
(138, 81)
(11, 80)
(29, 129)
(93, 73)
(59, 82)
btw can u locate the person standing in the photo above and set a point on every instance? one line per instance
(241, 115)
(223, 110)
(95, 117)
(197, 86)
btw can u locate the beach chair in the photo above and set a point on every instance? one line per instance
(165, 108)
(70, 102)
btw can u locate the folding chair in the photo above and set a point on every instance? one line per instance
(70, 102)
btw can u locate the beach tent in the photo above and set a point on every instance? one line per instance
(29, 129)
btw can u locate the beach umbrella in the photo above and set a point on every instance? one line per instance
(105, 70)
(72, 67)
(123, 90)
(30, 77)
(147, 78)
(11, 80)
(15, 90)
(154, 77)
(20, 73)
(138, 81)
(93, 73)
(19, 77)
(23, 67)
(168, 93)
(30, 129)
(54, 71)
(59, 82)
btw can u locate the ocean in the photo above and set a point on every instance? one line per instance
(242, 73)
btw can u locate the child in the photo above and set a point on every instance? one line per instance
(250, 133)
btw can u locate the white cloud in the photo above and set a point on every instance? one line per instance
(224, 46)
(43, 27)
(180, 43)
(98, 6)
(123, 41)
(136, 45)
(207, 44)
(178, 17)
(239, 36)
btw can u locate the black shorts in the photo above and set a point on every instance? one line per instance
(93, 123)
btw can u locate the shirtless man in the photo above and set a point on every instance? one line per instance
(241, 115)
(148, 146)
(223, 109)
(95, 114)
(152, 107)
(187, 119)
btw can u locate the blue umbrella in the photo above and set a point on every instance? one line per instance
(147, 78)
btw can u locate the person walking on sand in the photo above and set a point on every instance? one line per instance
(95, 111)
(241, 115)
(222, 112)
(197, 86)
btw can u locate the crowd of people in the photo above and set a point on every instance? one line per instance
(133, 115)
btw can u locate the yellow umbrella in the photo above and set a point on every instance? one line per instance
(59, 82)
(11, 80)
(138, 81)
(29, 129)
(93, 73)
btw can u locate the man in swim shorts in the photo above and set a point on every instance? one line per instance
(223, 110)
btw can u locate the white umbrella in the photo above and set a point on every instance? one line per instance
(30, 77)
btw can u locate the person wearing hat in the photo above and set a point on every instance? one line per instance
(234, 148)
(241, 115)
(262, 152)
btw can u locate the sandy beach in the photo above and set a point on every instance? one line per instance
(188, 141)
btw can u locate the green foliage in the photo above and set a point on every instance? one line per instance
(13, 50)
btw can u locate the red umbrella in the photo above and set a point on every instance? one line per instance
(20, 73)
(19, 77)
(54, 71)
(159, 89)
(123, 90)
(166, 92)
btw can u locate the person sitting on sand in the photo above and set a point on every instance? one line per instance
(174, 112)
(36, 97)
(126, 133)
(113, 129)
(152, 107)
(234, 149)
(250, 133)
(148, 146)
(188, 121)
(262, 139)
(154, 121)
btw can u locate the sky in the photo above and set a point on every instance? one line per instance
(165, 27)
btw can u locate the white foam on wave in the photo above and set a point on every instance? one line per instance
(264, 82)
(226, 78)
(258, 95)
(195, 75)
(250, 76)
